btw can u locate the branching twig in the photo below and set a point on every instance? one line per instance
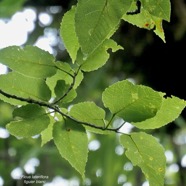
(57, 109)
(65, 71)
(110, 121)
(69, 89)
(28, 100)
(117, 129)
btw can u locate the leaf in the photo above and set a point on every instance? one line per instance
(170, 109)
(145, 20)
(25, 87)
(66, 73)
(145, 151)
(151, 16)
(99, 57)
(133, 103)
(96, 21)
(62, 90)
(72, 143)
(29, 61)
(9, 7)
(29, 120)
(47, 134)
(68, 34)
(158, 8)
(159, 29)
(89, 112)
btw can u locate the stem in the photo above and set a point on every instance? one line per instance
(117, 129)
(69, 89)
(65, 71)
(57, 109)
(110, 121)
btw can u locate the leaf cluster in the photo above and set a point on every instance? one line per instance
(43, 89)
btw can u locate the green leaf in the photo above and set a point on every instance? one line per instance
(29, 121)
(25, 87)
(89, 112)
(11, 100)
(99, 57)
(151, 16)
(133, 103)
(147, 21)
(96, 21)
(170, 109)
(72, 143)
(29, 61)
(68, 34)
(66, 73)
(145, 151)
(158, 8)
(62, 91)
(47, 134)
(9, 7)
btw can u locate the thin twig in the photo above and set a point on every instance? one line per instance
(56, 109)
(69, 89)
(117, 129)
(65, 71)
(110, 121)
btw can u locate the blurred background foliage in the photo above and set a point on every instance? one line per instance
(145, 60)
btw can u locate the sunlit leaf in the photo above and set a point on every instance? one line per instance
(158, 8)
(47, 134)
(23, 86)
(89, 112)
(68, 34)
(64, 73)
(99, 57)
(96, 21)
(145, 151)
(29, 120)
(151, 16)
(133, 103)
(170, 109)
(72, 143)
(30, 61)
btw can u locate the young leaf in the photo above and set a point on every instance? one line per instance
(29, 120)
(30, 61)
(99, 57)
(68, 34)
(170, 109)
(89, 112)
(145, 151)
(96, 21)
(72, 143)
(23, 86)
(133, 103)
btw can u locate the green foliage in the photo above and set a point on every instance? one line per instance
(96, 21)
(151, 16)
(7, 9)
(22, 60)
(43, 89)
(133, 103)
(29, 120)
(150, 160)
(24, 86)
(72, 143)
